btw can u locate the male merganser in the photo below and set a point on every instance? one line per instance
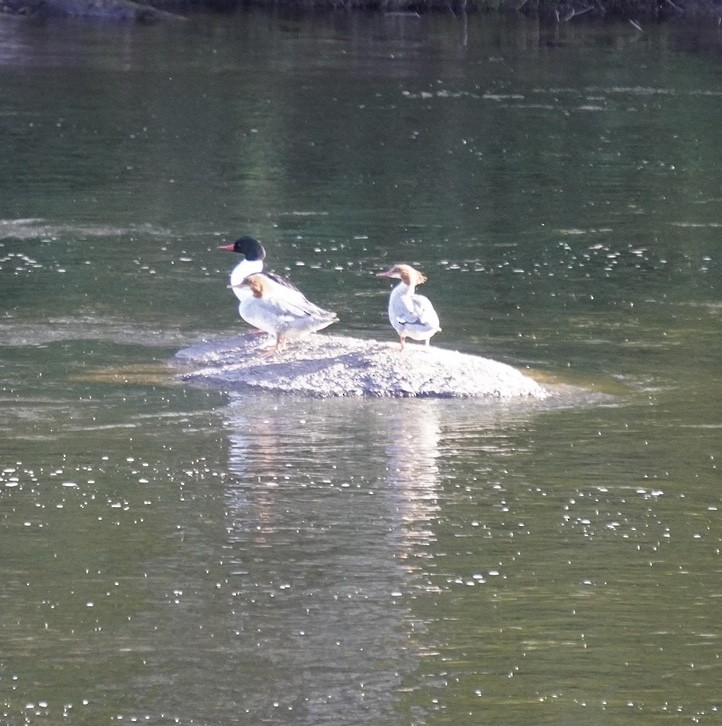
(269, 308)
(252, 263)
(411, 315)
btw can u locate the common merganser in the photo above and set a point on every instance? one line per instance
(252, 263)
(412, 315)
(269, 308)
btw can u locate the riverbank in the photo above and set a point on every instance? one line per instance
(552, 11)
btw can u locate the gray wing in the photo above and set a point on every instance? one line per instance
(296, 306)
(418, 311)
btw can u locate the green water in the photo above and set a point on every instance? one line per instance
(191, 556)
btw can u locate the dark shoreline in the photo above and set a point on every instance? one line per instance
(552, 11)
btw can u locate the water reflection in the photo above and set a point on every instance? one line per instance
(323, 546)
(331, 511)
(412, 448)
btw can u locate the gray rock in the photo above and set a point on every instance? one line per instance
(327, 366)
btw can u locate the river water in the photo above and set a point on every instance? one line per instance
(171, 554)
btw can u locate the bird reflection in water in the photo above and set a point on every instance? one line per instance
(388, 448)
(412, 443)
(329, 511)
(254, 458)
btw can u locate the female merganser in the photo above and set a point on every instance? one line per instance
(252, 263)
(269, 308)
(412, 315)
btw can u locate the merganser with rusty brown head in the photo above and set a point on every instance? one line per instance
(411, 315)
(269, 308)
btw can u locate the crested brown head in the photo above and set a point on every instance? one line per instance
(407, 274)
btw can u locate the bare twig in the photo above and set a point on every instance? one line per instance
(676, 7)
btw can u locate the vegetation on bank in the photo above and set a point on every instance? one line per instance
(556, 11)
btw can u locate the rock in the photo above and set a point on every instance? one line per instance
(327, 366)
(112, 10)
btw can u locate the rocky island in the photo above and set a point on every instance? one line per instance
(328, 366)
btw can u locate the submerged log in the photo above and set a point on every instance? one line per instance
(328, 366)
